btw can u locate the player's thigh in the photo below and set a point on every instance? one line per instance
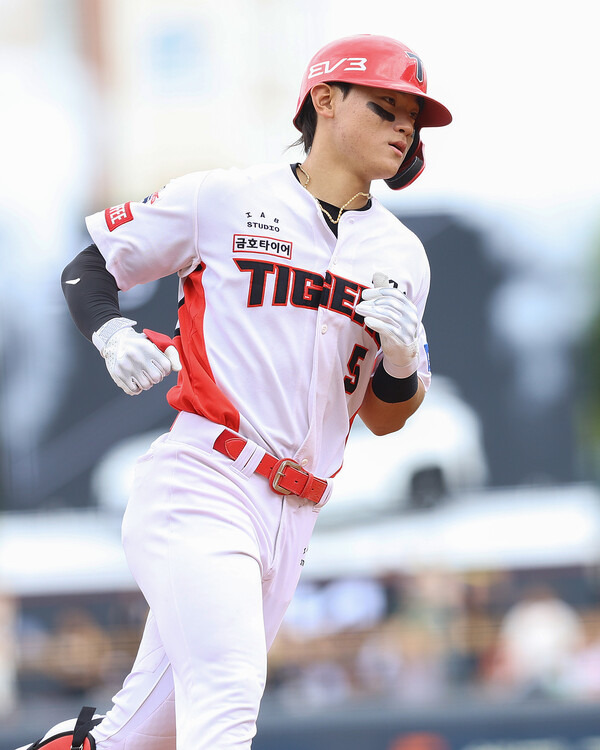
(194, 552)
(208, 611)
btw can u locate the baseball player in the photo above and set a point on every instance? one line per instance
(300, 306)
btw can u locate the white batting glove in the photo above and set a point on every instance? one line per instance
(132, 360)
(394, 317)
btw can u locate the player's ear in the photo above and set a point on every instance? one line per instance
(322, 96)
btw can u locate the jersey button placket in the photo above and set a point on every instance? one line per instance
(333, 262)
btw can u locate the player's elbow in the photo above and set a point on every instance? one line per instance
(383, 418)
(386, 428)
(382, 421)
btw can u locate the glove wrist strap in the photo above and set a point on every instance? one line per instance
(399, 371)
(103, 334)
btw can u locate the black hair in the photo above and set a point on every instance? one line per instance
(307, 119)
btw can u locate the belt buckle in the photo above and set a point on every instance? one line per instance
(281, 466)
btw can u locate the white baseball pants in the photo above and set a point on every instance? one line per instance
(218, 555)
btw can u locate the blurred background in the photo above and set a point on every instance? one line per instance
(451, 595)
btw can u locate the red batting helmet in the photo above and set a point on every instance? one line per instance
(370, 60)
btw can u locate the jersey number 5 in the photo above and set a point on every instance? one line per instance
(351, 381)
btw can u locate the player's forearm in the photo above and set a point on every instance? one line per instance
(383, 417)
(91, 291)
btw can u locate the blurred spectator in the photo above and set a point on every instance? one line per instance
(472, 633)
(312, 660)
(434, 597)
(321, 683)
(344, 604)
(78, 652)
(380, 661)
(354, 603)
(538, 638)
(581, 679)
(402, 660)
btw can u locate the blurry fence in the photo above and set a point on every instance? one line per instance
(464, 726)
(468, 726)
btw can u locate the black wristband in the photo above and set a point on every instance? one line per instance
(393, 390)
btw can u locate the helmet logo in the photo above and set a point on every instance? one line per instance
(420, 69)
(328, 66)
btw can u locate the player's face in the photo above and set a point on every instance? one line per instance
(375, 129)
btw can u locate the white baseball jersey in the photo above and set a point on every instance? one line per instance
(270, 343)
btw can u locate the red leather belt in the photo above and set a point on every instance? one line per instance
(285, 475)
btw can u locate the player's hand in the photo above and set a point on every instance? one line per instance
(394, 317)
(132, 360)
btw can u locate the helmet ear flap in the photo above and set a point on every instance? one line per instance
(411, 167)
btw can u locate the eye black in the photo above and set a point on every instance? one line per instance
(381, 112)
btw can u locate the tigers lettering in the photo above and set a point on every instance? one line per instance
(300, 288)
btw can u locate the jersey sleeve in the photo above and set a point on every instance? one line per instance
(146, 240)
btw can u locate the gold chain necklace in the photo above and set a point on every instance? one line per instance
(325, 211)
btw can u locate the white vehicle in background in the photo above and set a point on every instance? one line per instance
(437, 453)
(112, 477)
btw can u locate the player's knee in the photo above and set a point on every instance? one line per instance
(134, 740)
